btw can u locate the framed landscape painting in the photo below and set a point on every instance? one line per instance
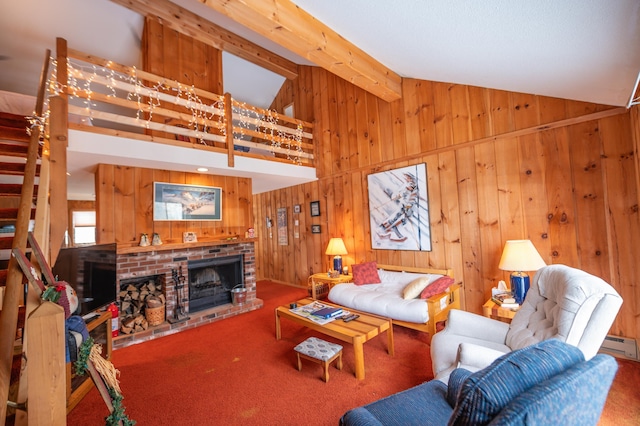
(399, 209)
(186, 202)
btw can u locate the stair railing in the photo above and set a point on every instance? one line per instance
(14, 284)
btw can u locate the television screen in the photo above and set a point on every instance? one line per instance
(91, 271)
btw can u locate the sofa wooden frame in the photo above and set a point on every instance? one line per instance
(438, 305)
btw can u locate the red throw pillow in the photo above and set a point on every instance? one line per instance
(437, 287)
(365, 273)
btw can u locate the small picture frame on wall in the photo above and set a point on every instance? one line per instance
(315, 229)
(315, 208)
(296, 208)
(283, 232)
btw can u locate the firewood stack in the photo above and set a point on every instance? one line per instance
(134, 301)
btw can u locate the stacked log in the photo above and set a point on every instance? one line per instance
(133, 302)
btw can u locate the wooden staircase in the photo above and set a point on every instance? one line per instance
(25, 198)
(14, 144)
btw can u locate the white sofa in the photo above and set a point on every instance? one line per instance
(386, 298)
(563, 303)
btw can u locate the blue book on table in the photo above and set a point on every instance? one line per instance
(328, 312)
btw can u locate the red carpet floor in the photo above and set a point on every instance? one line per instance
(234, 372)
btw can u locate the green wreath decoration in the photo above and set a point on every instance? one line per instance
(118, 414)
(83, 356)
(52, 293)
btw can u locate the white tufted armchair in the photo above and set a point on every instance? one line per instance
(563, 303)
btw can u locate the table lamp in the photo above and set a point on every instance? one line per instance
(336, 249)
(519, 256)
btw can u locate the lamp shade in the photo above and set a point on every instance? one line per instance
(520, 255)
(336, 247)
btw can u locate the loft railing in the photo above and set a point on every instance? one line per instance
(109, 98)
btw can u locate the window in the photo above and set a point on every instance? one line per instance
(288, 110)
(84, 227)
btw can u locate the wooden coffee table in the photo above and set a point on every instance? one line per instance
(356, 332)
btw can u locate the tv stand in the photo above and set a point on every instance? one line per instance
(99, 328)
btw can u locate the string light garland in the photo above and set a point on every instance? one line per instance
(85, 81)
(267, 124)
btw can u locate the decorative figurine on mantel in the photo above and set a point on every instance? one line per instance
(156, 241)
(144, 240)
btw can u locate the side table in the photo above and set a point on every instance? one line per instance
(492, 310)
(324, 278)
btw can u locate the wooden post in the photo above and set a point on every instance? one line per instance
(58, 139)
(47, 371)
(228, 114)
(43, 219)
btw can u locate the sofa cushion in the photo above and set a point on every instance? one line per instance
(425, 404)
(456, 379)
(585, 385)
(438, 286)
(414, 288)
(384, 299)
(485, 393)
(365, 273)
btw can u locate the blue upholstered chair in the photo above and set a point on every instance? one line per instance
(546, 383)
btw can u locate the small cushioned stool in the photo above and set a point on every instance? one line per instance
(321, 352)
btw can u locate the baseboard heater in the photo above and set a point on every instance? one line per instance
(622, 346)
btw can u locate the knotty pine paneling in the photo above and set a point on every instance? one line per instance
(497, 169)
(284, 97)
(124, 205)
(176, 56)
(173, 55)
(590, 197)
(621, 200)
(634, 311)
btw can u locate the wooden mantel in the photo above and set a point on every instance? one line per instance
(129, 249)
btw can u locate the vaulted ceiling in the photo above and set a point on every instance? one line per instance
(586, 50)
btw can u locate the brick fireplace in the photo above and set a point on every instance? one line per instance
(165, 263)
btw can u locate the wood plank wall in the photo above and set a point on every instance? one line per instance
(283, 98)
(500, 166)
(124, 205)
(176, 56)
(124, 194)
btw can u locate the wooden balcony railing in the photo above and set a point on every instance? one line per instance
(114, 99)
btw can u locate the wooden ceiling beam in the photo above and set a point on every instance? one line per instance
(284, 23)
(188, 23)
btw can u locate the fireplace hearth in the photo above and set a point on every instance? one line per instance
(161, 261)
(211, 281)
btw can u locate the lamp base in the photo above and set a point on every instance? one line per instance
(337, 264)
(519, 286)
